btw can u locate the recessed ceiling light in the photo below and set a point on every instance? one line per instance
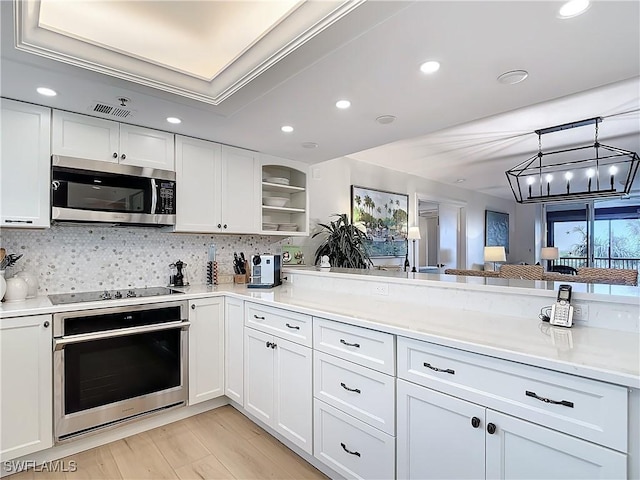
(175, 120)
(47, 92)
(287, 129)
(385, 119)
(461, 180)
(343, 104)
(513, 77)
(309, 145)
(573, 8)
(430, 67)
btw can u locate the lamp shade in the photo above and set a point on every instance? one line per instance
(414, 233)
(549, 253)
(495, 254)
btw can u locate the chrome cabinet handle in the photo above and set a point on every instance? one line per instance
(17, 221)
(436, 369)
(357, 345)
(565, 403)
(259, 318)
(344, 447)
(357, 390)
(295, 327)
(46, 324)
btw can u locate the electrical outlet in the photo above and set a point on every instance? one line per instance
(580, 312)
(380, 289)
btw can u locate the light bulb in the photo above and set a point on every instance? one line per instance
(568, 176)
(548, 178)
(613, 170)
(590, 173)
(531, 180)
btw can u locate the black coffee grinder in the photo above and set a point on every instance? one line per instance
(177, 278)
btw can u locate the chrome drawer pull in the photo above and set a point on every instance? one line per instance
(548, 400)
(344, 447)
(295, 327)
(436, 369)
(357, 390)
(259, 318)
(357, 345)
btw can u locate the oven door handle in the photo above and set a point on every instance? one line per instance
(60, 343)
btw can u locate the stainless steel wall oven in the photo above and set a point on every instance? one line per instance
(113, 364)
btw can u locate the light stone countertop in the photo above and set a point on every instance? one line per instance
(607, 355)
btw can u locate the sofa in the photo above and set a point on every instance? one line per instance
(612, 276)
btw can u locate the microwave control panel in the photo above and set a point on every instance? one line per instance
(166, 196)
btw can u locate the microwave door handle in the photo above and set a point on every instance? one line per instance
(60, 343)
(154, 196)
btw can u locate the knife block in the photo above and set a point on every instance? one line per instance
(243, 278)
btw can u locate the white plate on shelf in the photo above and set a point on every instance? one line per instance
(288, 227)
(269, 226)
(278, 180)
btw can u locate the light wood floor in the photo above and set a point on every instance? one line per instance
(219, 444)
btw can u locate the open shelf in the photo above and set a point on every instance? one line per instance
(296, 193)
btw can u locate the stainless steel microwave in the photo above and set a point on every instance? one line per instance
(90, 191)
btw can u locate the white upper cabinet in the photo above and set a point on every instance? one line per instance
(143, 147)
(240, 190)
(217, 188)
(24, 165)
(285, 198)
(197, 177)
(93, 138)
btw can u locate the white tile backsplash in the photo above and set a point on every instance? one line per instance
(69, 258)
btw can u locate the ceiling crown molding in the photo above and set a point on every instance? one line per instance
(301, 25)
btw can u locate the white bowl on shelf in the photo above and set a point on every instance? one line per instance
(275, 201)
(277, 180)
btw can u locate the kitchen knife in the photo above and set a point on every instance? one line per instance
(243, 262)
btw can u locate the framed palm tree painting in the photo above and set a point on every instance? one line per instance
(384, 215)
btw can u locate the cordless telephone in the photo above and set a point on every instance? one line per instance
(562, 311)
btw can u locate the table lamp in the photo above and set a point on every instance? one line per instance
(549, 254)
(414, 234)
(494, 254)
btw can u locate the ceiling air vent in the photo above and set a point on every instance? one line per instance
(110, 110)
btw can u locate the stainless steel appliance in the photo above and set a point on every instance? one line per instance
(118, 363)
(90, 191)
(265, 271)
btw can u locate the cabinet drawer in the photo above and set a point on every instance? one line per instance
(359, 345)
(352, 448)
(281, 323)
(359, 391)
(589, 409)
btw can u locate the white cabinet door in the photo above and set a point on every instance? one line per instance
(206, 349)
(519, 449)
(436, 436)
(24, 165)
(293, 392)
(26, 397)
(85, 137)
(143, 147)
(197, 179)
(234, 349)
(258, 375)
(240, 189)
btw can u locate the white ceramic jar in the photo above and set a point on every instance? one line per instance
(17, 290)
(32, 283)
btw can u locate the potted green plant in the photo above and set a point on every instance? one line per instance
(344, 244)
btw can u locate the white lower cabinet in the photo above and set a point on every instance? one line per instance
(234, 349)
(278, 387)
(440, 436)
(351, 447)
(206, 349)
(26, 396)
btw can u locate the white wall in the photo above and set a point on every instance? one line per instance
(329, 193)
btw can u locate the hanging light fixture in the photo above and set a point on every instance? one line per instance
(568, 174)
